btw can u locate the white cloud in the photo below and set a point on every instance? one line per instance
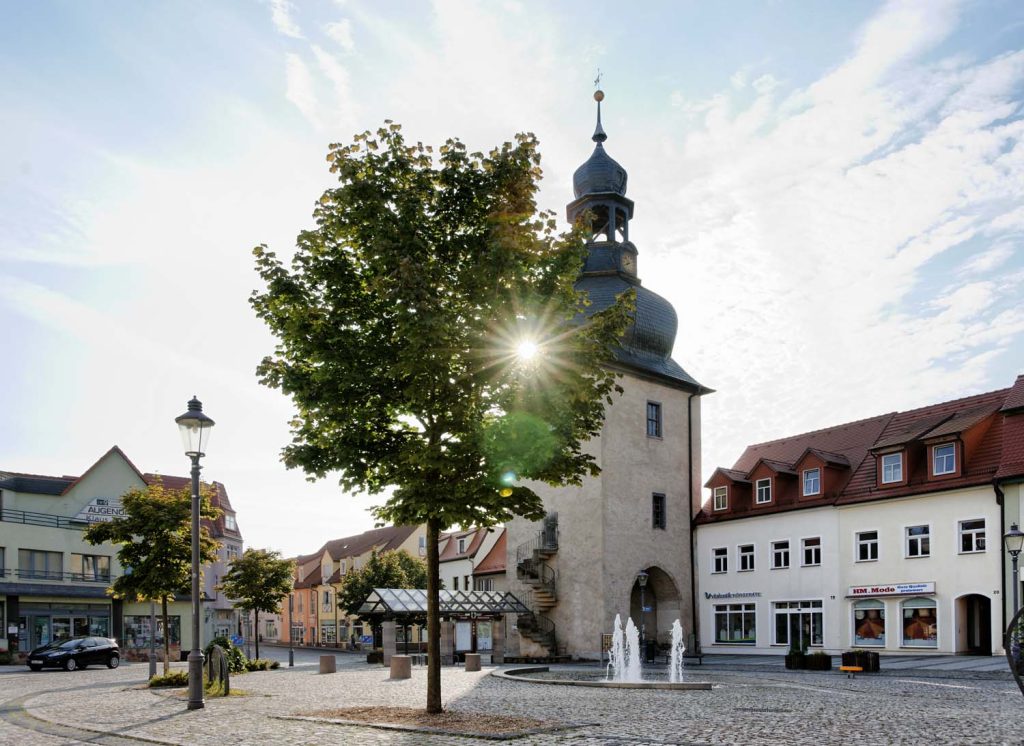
(341, 33)
(281, 15)
(987, 260)
(300, 88)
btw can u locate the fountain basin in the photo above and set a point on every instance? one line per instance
(532, 675)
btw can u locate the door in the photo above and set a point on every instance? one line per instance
(463, 636)
(979, 625)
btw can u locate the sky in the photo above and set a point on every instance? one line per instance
(830, 194)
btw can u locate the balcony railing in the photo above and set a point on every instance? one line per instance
(77, 577)
(40, 519)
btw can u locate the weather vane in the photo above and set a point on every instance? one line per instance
(597, 80)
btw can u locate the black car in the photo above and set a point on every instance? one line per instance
(78, 652)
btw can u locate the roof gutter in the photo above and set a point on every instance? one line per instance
(997, 486)
(689, 512)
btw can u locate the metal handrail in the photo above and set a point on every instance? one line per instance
(545, 540)
(540, 571)
(46, 520)
(58, 575)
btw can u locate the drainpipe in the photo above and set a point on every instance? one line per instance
(689, 513)
(1001, 501)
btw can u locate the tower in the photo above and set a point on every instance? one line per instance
(626, 535)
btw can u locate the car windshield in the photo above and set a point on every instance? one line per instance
(69, 644)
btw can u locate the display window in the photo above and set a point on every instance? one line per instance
(735, 624)
(869, 623)
(798, 624)
(920, 623)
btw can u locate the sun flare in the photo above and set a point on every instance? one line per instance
(527, 350)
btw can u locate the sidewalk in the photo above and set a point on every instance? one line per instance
(932, 666)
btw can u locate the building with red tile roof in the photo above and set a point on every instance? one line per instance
(883, 533)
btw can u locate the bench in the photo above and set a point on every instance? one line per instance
(850, 671)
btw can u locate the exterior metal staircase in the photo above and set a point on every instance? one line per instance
(542, 581)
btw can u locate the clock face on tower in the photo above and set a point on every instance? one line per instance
(628, 263)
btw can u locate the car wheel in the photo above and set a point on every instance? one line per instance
(70, 664)
(36, 668)
(113, 661)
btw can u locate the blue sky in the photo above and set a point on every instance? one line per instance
(831, 195)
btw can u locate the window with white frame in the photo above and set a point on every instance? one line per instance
(892, 468)
(735, 624)
(746, 554)
(867, 546)
(811, 549)
(764, 490)
(230, 523)
(920, 623)
(972, 536)
(721, 498)
(780, 554)
(720, 560)
(919, 541)
(944, 459)
(812, 482)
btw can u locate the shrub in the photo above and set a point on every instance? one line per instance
(174, 678)
(261, 664)
(5, 657)
(236, 659)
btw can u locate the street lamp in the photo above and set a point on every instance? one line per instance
(195, 427)
(1014, 541)
(641, 578)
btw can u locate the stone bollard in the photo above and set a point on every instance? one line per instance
(328, 664)
(401, 667)
(472, 661)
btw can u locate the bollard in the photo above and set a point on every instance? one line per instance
(401, 667)
(472, 661)
(328, 664)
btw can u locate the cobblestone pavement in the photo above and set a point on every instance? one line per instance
(110, 707)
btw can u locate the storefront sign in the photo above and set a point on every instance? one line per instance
(101, 509)
(892, 589)
(732, 594)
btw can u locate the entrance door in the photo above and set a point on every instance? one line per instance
(979, 625)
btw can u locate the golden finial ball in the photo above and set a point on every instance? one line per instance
(599, 95)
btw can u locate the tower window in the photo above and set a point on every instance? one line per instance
(658, 510)
(653, 419)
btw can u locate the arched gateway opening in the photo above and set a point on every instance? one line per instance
(974, 625)
(655, 603)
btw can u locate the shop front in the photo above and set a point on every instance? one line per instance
(896, 616)
(40, 623)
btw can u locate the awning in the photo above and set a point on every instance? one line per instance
(399, 602)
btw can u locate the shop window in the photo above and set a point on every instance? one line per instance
(867, 546)
(869, 623)
(720, 560)
(137, 631)
(920, 626)
(811, 551)
(735, 624)
(764, 491)
(892, 468)
(780, 555)
(798, 623)
(812, 482)
(746, 554)
(972, 536)
(92, 568)
(658, 510)
(721, 498)
(653, 419)
(919, 541)
(944, 459)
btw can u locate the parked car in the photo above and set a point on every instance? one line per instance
(78, 652)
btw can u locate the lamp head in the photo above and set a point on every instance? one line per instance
(641, 578)
(1014, 540)
(194, 427)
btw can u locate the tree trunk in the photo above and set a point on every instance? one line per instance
(167, 636)
(433, 619)
(256, 631)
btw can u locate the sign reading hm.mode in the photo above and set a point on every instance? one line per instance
(892, 589)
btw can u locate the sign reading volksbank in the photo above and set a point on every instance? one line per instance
(892, 589)
(732, 594)
(101, 509)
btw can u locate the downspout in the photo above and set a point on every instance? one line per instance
(689, 512)
(1001, 501)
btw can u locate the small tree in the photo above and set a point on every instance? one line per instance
(155, 538)
(257, 581)
(395, 569)
(398, 326)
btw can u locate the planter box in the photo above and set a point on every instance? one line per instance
(795, 661)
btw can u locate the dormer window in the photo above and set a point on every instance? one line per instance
(892, 468)
(944, 459)
(812, 482)
(462, 546)
(229, 522)
(721, 498)
(764, 491)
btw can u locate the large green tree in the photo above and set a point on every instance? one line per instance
(257, 581)
(398, 324)
(395, 569)
(155, 538)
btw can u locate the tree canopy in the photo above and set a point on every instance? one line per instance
(398, 325)
(395, 569)
(155, 539)
(257, 581)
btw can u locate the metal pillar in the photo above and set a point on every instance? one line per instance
(195, 658)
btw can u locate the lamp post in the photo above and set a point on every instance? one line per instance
(641, 578)
(152, 638)
(195, 427)
(291, 629)
(1014, 541)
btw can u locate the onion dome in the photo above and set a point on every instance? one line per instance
(601, 174)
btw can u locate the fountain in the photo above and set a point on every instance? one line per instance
(624, 656)
(675, 663)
